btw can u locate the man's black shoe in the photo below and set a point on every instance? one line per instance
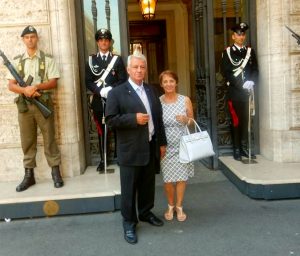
(153, 220)
(130, 236)
(100, 167)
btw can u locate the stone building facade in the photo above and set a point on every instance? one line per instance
(279, 91)
(55, 20)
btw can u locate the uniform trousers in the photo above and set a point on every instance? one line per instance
(98, 118)
(240, 132)
(137, 186)
(28, 122)
(111, 151)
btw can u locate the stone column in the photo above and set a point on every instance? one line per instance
(55, 22)
(64, 38)
(279, 85)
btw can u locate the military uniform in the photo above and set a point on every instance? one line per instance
(237, 95)
(32, 118)
(42, 68)
(93, 72)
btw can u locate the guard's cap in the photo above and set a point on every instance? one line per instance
(28, 30)
(240, 28)
(103, 33)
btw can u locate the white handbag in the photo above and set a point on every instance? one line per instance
(195, 146)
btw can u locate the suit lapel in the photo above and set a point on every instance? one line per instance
(133, 94)
(149, 95)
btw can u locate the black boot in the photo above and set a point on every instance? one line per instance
(237, 154)
(245, 151)
(100, 167)
(27, 181)
(57, 179)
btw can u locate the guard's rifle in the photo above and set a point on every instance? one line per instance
(46, 112)
(295, 35)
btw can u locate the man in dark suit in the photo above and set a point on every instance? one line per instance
(100, 83)
(240, 69)
(133, 109)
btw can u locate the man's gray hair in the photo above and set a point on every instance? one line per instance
(136, 55)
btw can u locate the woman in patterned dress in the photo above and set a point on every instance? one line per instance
(177, 111)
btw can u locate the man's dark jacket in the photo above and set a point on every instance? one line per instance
(133, 139)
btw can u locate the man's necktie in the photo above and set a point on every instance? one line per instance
(104, 57)
(143, 97)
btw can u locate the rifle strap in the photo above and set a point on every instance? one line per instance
(42, 66)
(21, 65)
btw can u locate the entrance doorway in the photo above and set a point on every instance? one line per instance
(150, 39)
(186, 36)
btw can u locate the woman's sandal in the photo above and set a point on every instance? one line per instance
(181, 216)
(169, 213)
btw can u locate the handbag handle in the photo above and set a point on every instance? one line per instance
(196, 126)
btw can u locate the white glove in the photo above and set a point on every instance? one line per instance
(248, 85)
(104, 91)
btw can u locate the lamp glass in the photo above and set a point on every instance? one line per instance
(148, 8)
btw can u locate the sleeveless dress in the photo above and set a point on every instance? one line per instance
(172, 169)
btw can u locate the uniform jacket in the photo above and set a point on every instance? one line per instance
(132, 139)
(116, 76)
(250, 72)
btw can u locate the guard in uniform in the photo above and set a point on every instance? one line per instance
(240, 69)
(103, 72)
(45, 73)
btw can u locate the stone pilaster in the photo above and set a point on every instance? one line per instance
(279, 86)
